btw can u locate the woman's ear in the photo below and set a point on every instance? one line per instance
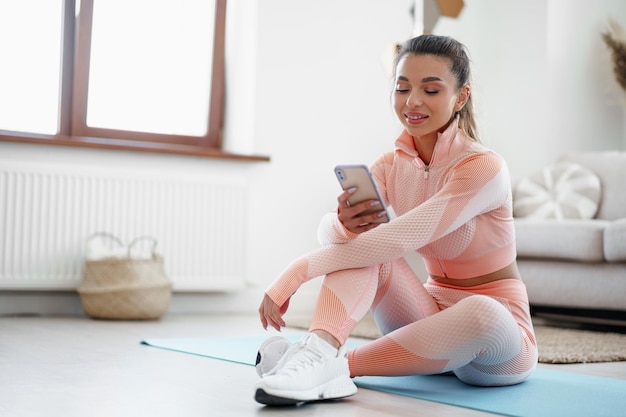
(464, 94)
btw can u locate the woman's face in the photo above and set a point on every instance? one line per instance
(425, 96)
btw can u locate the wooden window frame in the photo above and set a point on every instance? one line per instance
(73, 130)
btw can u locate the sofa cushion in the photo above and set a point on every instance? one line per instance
(563, 190)
(610, 166)
(615, 242)
(577, 240)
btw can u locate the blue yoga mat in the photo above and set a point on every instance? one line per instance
(546, 394)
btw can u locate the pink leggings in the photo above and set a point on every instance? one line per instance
(483, 334)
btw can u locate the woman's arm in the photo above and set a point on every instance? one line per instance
(479, 183)
(331, 230)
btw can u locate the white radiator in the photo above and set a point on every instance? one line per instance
(47, 215)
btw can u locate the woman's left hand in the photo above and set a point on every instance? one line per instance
(271, 314)
(352, 216)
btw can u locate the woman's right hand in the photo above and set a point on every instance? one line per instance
(353, 217)
(271, 314)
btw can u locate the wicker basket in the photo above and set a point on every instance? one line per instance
(125, 288)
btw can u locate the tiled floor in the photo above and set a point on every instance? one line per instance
(77, 367)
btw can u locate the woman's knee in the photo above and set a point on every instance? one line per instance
(489, 319)
(479, 305)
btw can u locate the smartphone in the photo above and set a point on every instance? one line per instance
(359, 176)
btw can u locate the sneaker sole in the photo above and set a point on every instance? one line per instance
(334, 390)
(264, 398)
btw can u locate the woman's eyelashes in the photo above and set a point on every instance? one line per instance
(406, 90)
(427, 88)
(402, 89)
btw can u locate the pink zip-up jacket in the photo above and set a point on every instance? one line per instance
(456, 213)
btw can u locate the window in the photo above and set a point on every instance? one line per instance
(145, 75)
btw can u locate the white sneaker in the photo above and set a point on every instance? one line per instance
(313, 371)
(270, 352)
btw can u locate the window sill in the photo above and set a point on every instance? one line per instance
(131, 145)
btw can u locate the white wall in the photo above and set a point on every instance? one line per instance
(316, 94)
(543, 76)
(587, 103)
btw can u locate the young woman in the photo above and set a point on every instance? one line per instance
(452, 196)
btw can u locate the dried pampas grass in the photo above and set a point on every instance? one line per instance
(615, 38)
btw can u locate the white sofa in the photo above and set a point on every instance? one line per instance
(577, 264)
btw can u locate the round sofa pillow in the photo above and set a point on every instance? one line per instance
(563, 190)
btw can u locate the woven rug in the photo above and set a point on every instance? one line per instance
(556, 345)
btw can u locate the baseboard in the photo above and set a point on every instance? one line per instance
(60, 303)
(580, 318)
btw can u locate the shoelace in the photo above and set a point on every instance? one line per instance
(303, 358)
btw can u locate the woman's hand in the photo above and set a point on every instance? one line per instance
(271, 313)
(353, 217)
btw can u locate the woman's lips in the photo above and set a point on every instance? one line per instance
(415, 118)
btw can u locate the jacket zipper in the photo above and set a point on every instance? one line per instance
(426, 196)
(426, 185)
